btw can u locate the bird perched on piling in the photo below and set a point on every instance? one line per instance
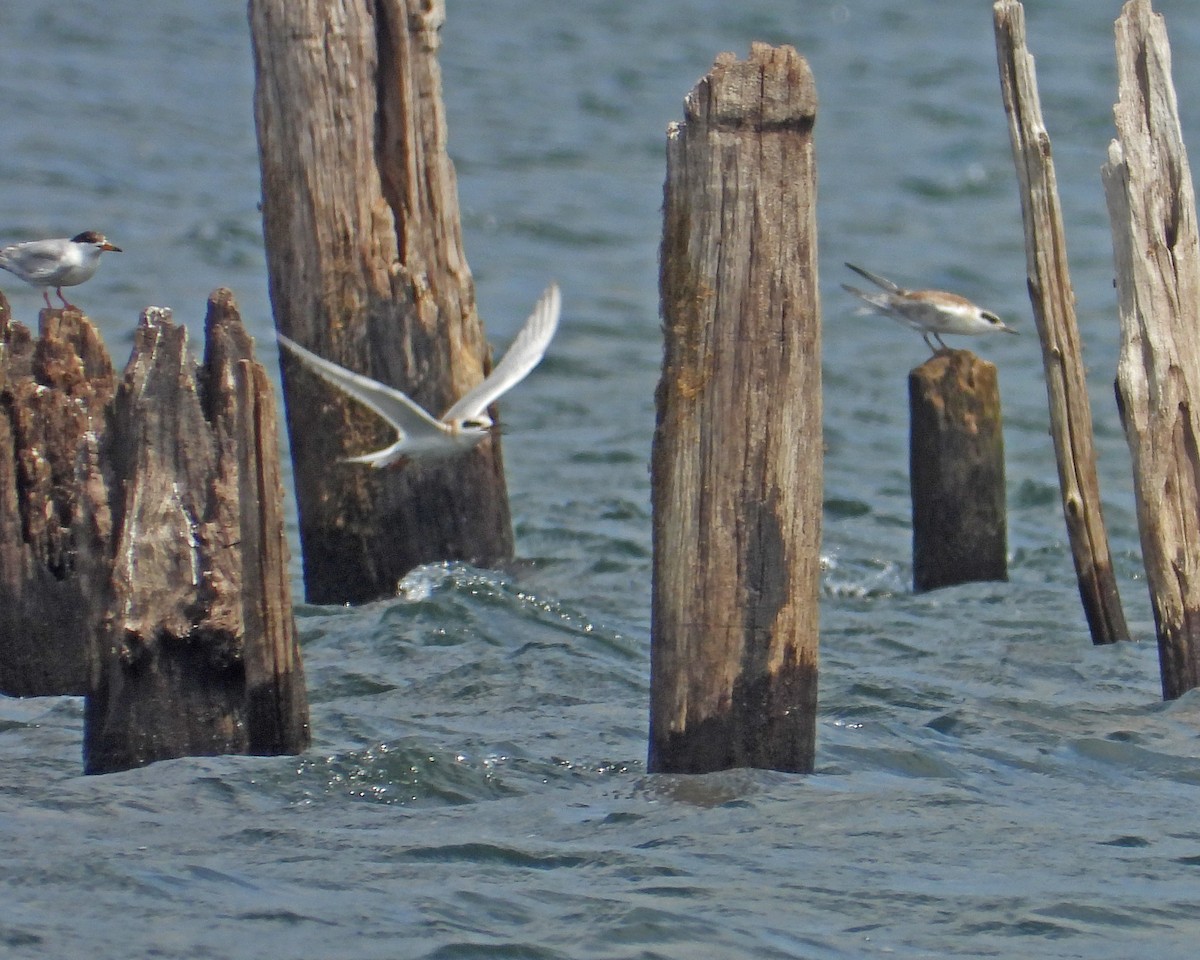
(466, 422)
(932, 312)
(56, 263)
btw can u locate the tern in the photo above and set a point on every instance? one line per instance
(932, 312)
(57, 263)
(466, 423)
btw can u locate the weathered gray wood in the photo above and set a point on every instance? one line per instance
(736, 464)
(366, 267)
(1152, 206)
(249, 490)
(956, 460)
(197, 653)
(54, 518)
(1053, 301)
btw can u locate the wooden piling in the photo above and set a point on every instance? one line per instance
(956, 459)
(55, 523)
(736, 463)
(366, 267)
(197, 654)
(143, 558)
(1053, 301)
(1152, 206)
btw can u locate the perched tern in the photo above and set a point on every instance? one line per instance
(932, 312)
(466, 422)
(56, 263)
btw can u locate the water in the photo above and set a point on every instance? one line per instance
(988, 783)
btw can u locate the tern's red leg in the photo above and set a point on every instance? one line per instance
(66, 303)
(46, 297)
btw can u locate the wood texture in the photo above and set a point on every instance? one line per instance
(956, 461)
(1152, 206)
(197, 654)
(143, 556)
(366, 267)
(736, 464)
(1053, 301)
(55, 523)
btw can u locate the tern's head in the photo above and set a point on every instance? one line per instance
(988, 317)
(90, 238)
(472, 430)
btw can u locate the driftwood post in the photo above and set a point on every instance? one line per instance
(1053, 301)
(55, 525)
(143, 558)
(1152, 206)
(737, 454)
(366, 267)
(197, 654)
(956, 470)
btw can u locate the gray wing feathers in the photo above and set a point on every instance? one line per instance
(877, 280)
(39, 260)
(878, 300)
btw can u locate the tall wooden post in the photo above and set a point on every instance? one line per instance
(366, 267)
(960, 525)
(1152, 206)
(737, 451)
(1053, 302)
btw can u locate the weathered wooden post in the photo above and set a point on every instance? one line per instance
(956, 470)
(54, 518)
(366, 267)
(143, 559)
(736, 465)
(1053, 302)
(1152, 205)
(197, 652)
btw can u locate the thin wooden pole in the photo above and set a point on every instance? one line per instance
(736, 464)
(1053, 301)
(1152, 206)
(239, 405)
(366, 267)
(960, 526)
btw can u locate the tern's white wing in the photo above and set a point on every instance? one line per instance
(408, 419)
(525, 353)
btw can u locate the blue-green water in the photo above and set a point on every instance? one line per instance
(988, 783)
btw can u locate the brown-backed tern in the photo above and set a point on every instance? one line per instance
(932, 312)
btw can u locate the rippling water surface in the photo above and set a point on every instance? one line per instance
(988, 783)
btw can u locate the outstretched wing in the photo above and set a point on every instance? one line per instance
(405, 416)
(877, 280)
(525, 353)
